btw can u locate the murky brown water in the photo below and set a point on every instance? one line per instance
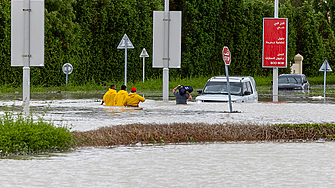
(314, 95)
(195, 165)
(242, 164)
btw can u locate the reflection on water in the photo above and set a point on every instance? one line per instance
(195, 165)
(265, 94)
(121, 109)
(315, 95)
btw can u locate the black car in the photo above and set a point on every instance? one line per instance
(293, 82)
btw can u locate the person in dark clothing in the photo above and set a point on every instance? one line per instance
(181, 99)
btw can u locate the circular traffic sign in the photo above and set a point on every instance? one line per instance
(67, 68)
(226, 55)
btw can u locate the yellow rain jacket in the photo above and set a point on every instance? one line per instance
(133, 99)
(109, 97)
(120, 96)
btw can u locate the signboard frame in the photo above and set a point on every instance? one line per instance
(174, 39)
(36, 33)
(275, 35)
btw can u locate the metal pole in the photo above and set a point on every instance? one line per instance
(166, 52)
(143, 68)
(228, 86)
(276, 9)
(275, 70)
(26, 55)
(324, 87)
(165, 84)
(66, 78)
(67, 73)
(275, 85)
(125, 62)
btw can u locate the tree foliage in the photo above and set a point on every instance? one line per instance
(86, 34)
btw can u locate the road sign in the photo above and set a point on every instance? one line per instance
(226, 55)
(144, 53)
(125, 40)
(67, 68)
(325, 67)
(274, 43)
(125, 44)
(227, 59)
(174, 40)
(36, 32)
(27, 40)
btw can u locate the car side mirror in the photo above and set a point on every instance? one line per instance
(199, 91)
(305, 81)
(247, 93)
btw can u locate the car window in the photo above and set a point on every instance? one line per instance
(235, 89)
(221, 88)
(249, 87)
(295, 80)
(253, 83)
(245, 87)
(292, 80)
(289, 80)
(282, 80)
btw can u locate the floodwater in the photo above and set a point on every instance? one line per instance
(194, 165)
(235, 164)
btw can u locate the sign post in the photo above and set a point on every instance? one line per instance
(326, 68)
(144, 54)
(125, 43)
(67, 69)
(227, 59)
(166, 51)
(274, 48)
(27, 40)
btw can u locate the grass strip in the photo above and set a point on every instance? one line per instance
(200, 132)
(21, 135)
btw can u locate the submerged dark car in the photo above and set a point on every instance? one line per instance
(293, 82)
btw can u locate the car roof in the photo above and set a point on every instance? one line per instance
(292, 75)
(231, 78)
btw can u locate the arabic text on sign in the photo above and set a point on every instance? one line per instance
(277, 63)
(277, 23)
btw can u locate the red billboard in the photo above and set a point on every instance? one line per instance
(274, 42)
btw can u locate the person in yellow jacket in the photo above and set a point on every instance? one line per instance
(121, 95)
(109, 97)
(133, 99)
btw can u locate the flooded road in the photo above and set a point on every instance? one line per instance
(82, 110)
(194, 165)
(242, 164)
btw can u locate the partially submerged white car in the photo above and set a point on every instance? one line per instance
(242, 89)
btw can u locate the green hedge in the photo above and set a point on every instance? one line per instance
(86, 34)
